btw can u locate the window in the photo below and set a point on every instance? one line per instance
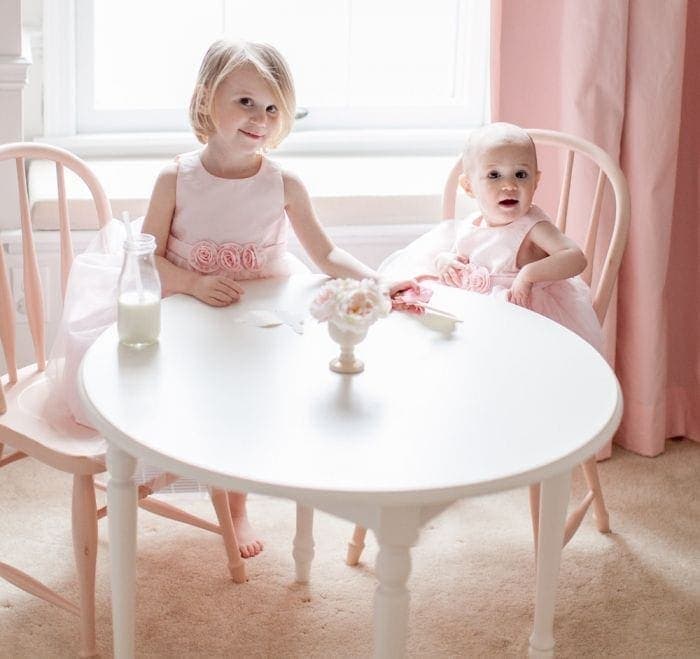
(357, 64)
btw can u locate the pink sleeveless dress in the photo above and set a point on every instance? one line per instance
(492, 254)
(234, 227)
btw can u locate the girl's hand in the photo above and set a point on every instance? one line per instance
(217, 290)
(519, 292)
(449, 266)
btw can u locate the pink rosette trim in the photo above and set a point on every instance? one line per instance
(207, 257)
(204, 256)
(476, 278)
(229, 257)
(253, 259)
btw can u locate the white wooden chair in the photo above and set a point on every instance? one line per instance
(608, 171)
(22, 395)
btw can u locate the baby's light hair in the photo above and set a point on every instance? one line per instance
(491, 135)
(225, 56)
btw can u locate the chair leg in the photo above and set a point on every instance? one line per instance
(84, 524)
(590, 471)
(33, 587)
(13, 457)
(356, 545)
(171, 512)
(573, 521)
(236, 564)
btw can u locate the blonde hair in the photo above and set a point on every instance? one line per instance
(490, 135)
(225, 56)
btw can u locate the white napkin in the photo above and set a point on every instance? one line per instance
(273, 318)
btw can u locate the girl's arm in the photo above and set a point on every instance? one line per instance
(563, 260)
(212, 289)
(332, 260)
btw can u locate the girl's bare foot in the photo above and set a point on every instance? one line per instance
(248, 542)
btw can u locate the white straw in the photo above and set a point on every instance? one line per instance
(129, 237)
(440, 312)
(127, 225)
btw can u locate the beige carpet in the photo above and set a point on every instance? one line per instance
(634, 593)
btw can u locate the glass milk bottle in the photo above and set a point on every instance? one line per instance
(138, 297)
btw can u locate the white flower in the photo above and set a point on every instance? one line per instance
(350, 304)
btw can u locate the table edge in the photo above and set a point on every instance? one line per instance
(393, 497)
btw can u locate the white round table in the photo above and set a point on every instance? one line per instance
(507, 399)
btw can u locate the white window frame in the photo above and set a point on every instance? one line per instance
(421, 131)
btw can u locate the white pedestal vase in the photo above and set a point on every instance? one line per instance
(346, 362)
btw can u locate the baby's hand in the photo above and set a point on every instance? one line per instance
(449, 266)
(519, 292)
(217, 290)
(402, 285)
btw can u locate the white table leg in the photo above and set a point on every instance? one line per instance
(553, 502)
(303, 551)
(121, 509)
(396, 534)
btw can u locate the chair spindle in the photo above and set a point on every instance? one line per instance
(565, 190)
(33, 297)
(7, 322)
(592, 232)
(449, 194)
(64, 228)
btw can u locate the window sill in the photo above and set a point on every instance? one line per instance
(345, 190)
(396, 142)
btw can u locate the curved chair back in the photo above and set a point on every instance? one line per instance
(20, 152)
(608, 171)
(74, 449)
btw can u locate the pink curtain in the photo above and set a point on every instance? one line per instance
(622, 74)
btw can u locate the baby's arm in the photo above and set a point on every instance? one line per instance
(213, 289)
(563, 260)
(332, 260)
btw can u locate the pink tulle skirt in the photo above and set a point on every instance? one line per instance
(567, 301)
(89, 308)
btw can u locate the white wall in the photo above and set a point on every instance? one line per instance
(31, 22)
(31, 11)
(14, 61)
